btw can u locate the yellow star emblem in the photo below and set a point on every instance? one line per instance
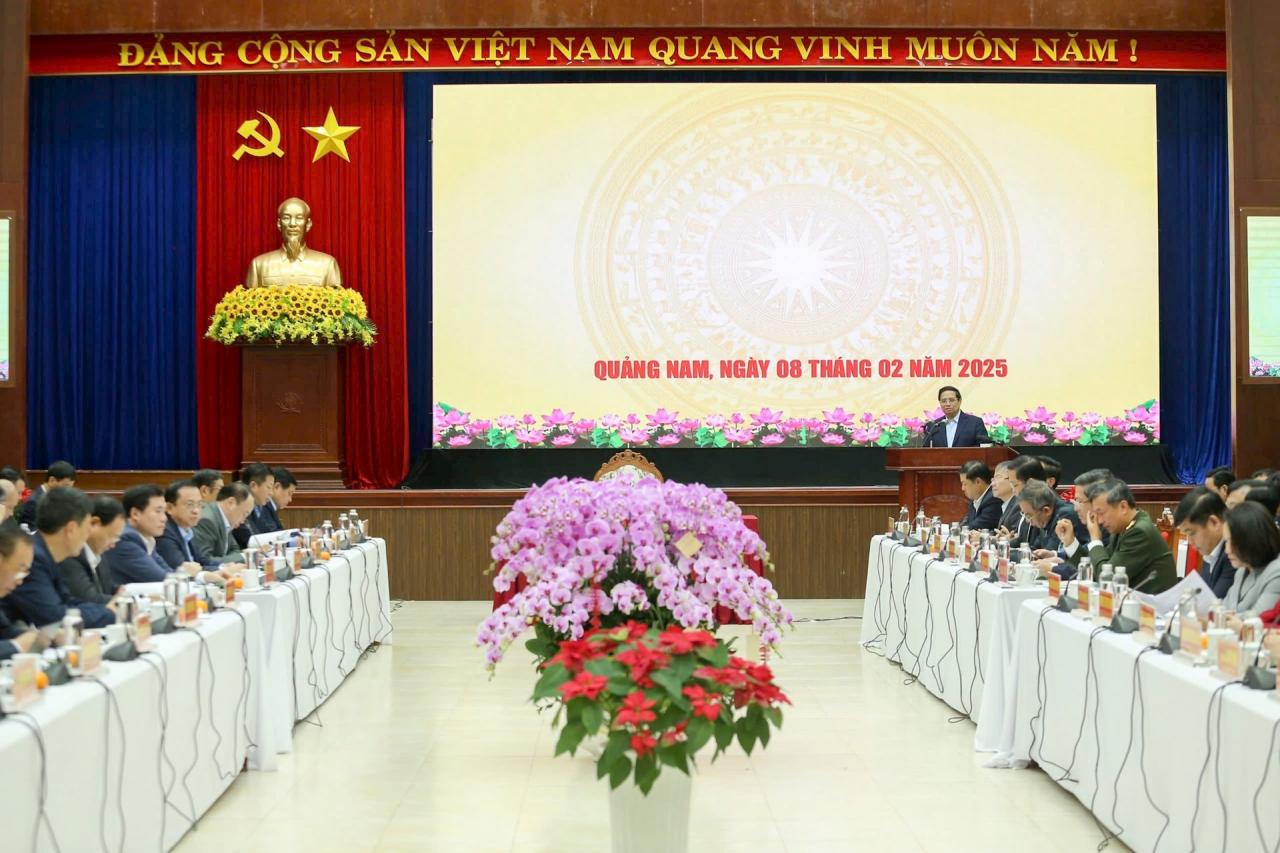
(330, 137)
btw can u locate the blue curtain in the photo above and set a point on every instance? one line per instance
(111, 283)
(1194, 309)
(1195, 274)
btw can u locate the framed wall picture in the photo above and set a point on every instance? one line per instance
(1260, 311)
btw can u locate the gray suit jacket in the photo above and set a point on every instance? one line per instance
(1255, 591)
(213, 537)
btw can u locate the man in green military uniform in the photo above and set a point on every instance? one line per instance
(1135, 542)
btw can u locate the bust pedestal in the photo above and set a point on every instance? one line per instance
(292, 411)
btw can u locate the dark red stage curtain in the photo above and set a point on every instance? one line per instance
(358, 212)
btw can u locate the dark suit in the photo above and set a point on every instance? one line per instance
(1012, 519)
(1218, 572)
(986, 515)
(175, 550)
(272, 518)
(26, 511)
(260, 521)
(43, 598)
(129, 561)
(8, 633)
(1047, 537)
(970, 432)
(86, 583)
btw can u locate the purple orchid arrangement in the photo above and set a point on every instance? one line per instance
(592, 553)
(453, 428)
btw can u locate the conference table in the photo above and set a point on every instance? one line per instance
(318, 624)
(1168, 755)
(130, 758)
(947, 627)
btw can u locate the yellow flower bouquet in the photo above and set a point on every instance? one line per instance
(292, 314)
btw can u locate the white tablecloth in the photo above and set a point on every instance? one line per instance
(1128, 732)
(116, 776)
(318, 625)
(946, 626)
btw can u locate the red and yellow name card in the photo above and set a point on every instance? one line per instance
(1230, 662)
(1189, 635)
(1147, 620)
(1082, 596)
(1055, 586)
(1106, 604)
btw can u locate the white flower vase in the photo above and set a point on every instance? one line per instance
(658, 822)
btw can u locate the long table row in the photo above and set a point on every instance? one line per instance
(1167, 755)
(131, 757)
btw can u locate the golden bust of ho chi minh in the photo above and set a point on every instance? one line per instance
(294, 262)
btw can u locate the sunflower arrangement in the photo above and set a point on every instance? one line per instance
(292, 314)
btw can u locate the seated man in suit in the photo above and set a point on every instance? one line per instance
(1219, 480)
(1201, 516)
(1052, 470)
(177, 546)
(285, 484)
(59, 474)
(62, 525)
(15, 562)
(85, 575)
(984, 506)
(134, 558)
(1046, 512)
(1260, 491)
(1002, 484)
(209, 482)
(13, 475)
(1021, 470)
(957, 428)
(260, 482)
(218, 519)
(1135, 543)
(8, 499)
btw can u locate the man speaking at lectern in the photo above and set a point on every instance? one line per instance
(955, 428)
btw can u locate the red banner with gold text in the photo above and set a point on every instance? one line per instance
(391, 50)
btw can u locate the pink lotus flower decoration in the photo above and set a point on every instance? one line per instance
(737, 419)
(610, 422)
(838, 417)
(715, 421)
(688, 426)
(460, 441)
(633, 419)
(558, 418)
(868, 418)
(1116, 424)
(564, 440)
(530, 436)
(832, 438)
(1068, 416)
(436, 436)
(663, 418)
(792, 426)
(1040, 415)
(477, 428)
(1016, 424)
(889, 421)
(990, 419)
(456, 418)
(1140, 415)
(933, 414)
(631, 435)
(1068, 433)
(586, 426)
(508, 422)
(772, 438)
(765, 418)
(1035, 438)
(817, 426)
(1090, 419)
(913, 425)
(667, 439)
(1134, 437)
(737, 435)
(866, 435)
(529, 420)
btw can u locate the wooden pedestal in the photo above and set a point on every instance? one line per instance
(292, 410)
(929, 477)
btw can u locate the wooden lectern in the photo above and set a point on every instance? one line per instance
(292, 409)
(928, 476)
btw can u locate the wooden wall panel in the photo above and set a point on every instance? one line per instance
(145, 16)
(1253, 81)
(13, 199)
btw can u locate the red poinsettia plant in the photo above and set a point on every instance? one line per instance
(656, 696)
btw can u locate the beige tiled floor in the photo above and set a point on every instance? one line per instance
(419, 750)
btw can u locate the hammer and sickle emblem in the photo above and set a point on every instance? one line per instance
(249, 130)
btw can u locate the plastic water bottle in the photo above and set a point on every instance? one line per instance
(1121, 581)
(1106, 578)
(903, 517)
(1086, 570)
(72, 627)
